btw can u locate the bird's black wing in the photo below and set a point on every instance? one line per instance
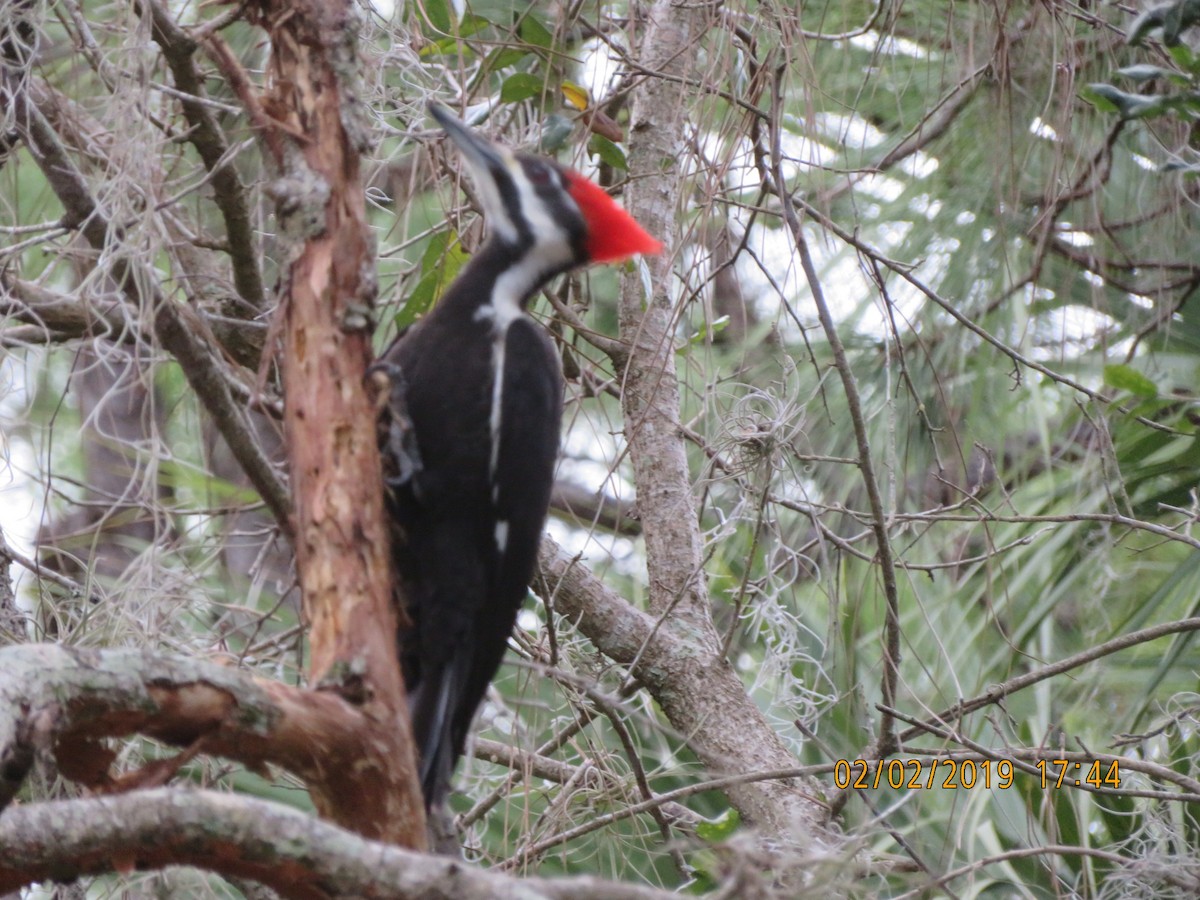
(442, 516)
(530, 420)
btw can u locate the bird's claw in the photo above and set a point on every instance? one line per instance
(397, 438)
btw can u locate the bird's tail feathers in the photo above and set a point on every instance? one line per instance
(433, 704)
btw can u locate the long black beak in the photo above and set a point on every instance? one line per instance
(481, 153)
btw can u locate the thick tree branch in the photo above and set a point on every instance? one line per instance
(293, 853)
(697, 689)
(618, 629)
(61, 317)
(63, 702)
(11, 619)
(682, 662)
(593, 508)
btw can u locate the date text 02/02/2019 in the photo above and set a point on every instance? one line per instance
(958, 774)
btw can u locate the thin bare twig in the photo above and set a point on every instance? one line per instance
(206, 136)
(999, 691)
(885, 737)
(177, 327)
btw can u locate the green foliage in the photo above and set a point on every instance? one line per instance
(1179, 87)
(443, 258)
(609, 153)
(520, 86)
(1124, 378)
(1173, 18)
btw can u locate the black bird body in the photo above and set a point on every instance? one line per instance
(471, 523)
(482, 388)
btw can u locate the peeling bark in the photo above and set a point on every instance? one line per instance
(308, 122)
(64, 702)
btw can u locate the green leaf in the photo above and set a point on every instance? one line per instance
(707, 330)
(706, 871)
(534, 32)
(608, 152)
(442, 47)
(520, 86)
(440, 15)
(504, 57)
(470, 25)
(720, 828)
(555, 131)
(420, 299)
(1124, 378)
(1146, 72)
(1180, 16)
(1149, 20)
(1093, 94)
(1107, 98)
(440, 263)
(1186, 58)
(1173, 18)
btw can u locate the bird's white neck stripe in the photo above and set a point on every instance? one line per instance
(497, 402)
(513, 287)
(508, 295)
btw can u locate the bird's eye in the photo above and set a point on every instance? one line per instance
(539, 173)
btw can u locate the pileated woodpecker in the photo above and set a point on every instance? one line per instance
(476, 402)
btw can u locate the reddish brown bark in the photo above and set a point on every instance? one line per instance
(308, 119)
(66, 701)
